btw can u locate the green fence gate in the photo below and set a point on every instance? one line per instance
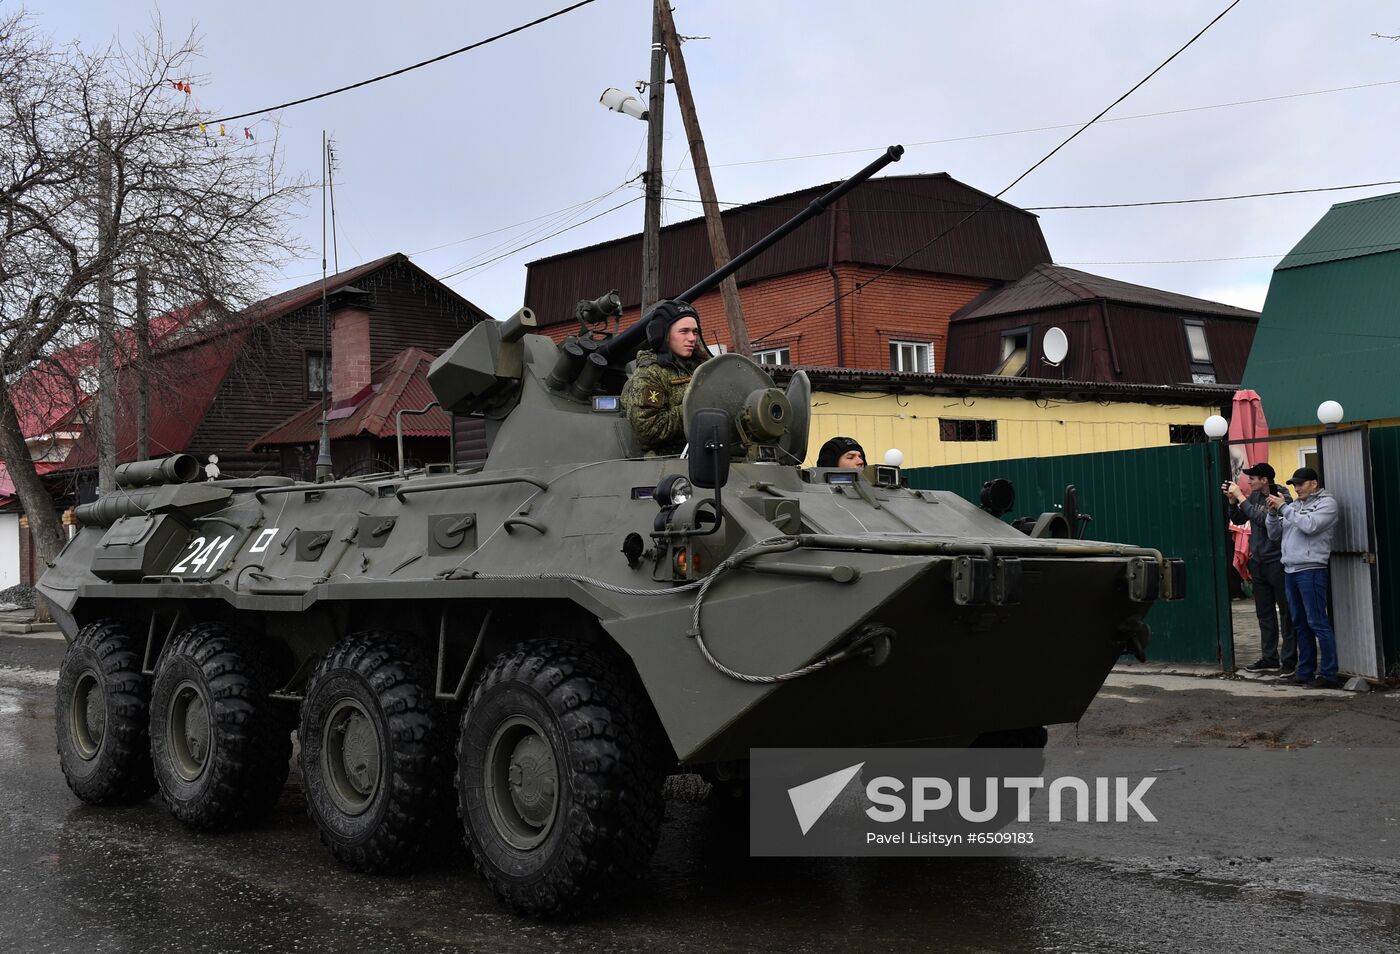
(1163, 497)
(1385, 478)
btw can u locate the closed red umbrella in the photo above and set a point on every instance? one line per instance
(1247, 423)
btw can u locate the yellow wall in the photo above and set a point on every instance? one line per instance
(1284, 455)
(1025, 427)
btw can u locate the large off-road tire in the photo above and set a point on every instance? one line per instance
(102, 716)
(376, 755)
(220, 746)
(559, 772)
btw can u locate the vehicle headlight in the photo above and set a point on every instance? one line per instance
(673, 490)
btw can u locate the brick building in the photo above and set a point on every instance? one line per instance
(956, 292)
(803, 299)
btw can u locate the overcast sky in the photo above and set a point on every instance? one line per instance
(510, 139)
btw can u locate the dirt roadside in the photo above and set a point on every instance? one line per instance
(1151, 709)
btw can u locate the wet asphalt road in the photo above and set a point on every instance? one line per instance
(74, 878)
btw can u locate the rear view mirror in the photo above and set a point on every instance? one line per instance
(709, 454)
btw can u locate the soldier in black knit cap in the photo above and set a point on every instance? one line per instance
(842, 452)
(654, 396)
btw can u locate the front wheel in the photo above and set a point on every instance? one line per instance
(101, 716)
(559, 774)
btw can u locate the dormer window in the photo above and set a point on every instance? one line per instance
(1015, 353)
(1202, 367)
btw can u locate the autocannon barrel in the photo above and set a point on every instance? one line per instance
(176, 469)
(622, 348)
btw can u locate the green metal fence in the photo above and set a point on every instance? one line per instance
(1385, 478)
(1163, 497)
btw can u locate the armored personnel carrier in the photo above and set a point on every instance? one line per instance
(522, 651)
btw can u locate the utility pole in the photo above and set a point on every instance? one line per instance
(106, 320)
(651, 222)
(324, 462)
(143, 363)
(719, 246)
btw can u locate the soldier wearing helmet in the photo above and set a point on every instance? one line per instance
(654, 396)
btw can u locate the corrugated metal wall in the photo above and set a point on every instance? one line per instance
(1385, 478)
(1344, 470)
(1163, 497)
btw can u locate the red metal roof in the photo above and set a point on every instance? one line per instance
(401, 383)
(184, 381)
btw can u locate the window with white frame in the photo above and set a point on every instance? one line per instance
(717, 349)
(911, 356)
(773, 356)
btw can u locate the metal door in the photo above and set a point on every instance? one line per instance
(1345, 458)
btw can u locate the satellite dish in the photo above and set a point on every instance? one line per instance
(1054, 346)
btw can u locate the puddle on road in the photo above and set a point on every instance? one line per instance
(22, 676)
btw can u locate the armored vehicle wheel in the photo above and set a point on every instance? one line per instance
(376, 755)
(221, 749)
(559, 775)
(102, 716)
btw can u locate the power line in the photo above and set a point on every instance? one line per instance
(1240, 258)
(1034, 166)
(1032, 129)
(537, 241)
(407, 69)
(1099, 205)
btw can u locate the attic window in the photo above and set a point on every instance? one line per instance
(1202, 369)
(1015, 353)
(1196, 338)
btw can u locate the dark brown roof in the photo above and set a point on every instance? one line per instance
(992, 385)
(1048, 285)
(877, 223)
(284, 303)
(401, 383)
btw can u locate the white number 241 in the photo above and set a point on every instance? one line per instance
(203, 555)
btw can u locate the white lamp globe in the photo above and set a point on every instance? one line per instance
(1216, 427)
(894, 457)
(1329, 413)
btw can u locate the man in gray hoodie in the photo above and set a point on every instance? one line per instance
(1305, 529)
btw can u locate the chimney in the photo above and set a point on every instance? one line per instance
(348, 310)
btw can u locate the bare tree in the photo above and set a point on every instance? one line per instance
(106, 173)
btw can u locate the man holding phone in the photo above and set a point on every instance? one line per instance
(1265, 570)
(1305, 528)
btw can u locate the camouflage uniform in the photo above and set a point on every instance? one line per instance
(653, 400)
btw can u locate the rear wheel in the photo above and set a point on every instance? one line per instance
(220, 747)
(376, 755)
(102, 716)
(559, 775)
